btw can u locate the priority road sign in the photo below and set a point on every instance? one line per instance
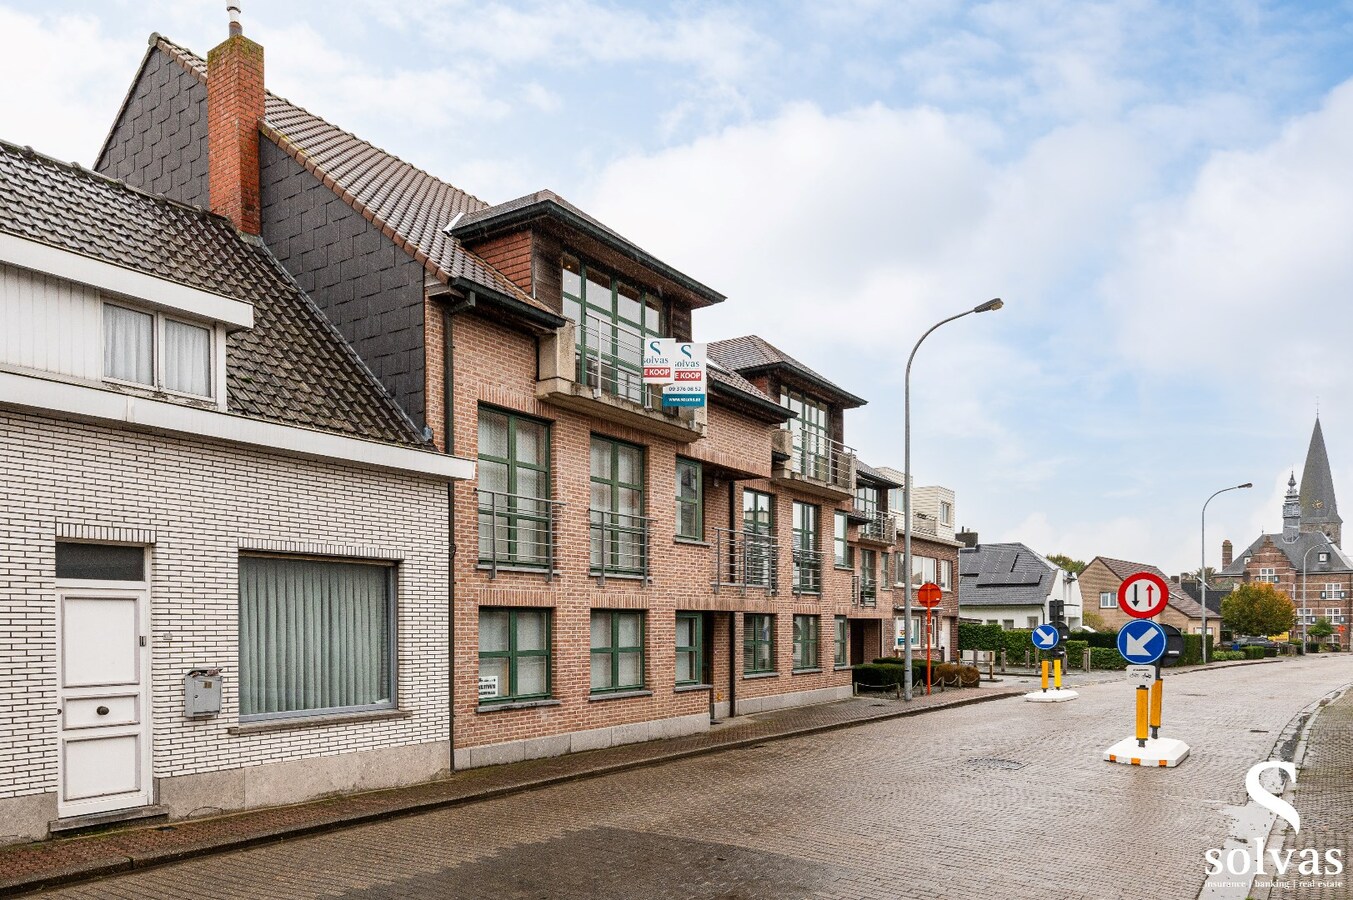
(1046, 636)
(1141, 642)
(1143, 595)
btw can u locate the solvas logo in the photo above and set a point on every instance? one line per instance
(1254, 859)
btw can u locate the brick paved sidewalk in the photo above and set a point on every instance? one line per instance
(32, 866)
(1324, 797)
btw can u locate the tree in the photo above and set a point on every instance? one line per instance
(1209, 573)
(1062, 561)
(1321, 629)
(1257, 609)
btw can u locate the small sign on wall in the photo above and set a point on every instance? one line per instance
(488, 687)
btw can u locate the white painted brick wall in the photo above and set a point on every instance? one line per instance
(203, 502)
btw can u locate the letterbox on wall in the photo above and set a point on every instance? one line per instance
(202, 693)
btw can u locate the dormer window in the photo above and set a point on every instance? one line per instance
(613, 320)
(157, 351)
(1323, 557)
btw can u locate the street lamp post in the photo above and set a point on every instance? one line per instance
(989, 306)
(1202, 566)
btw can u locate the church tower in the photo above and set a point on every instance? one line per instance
(1292, 512)
(1319, 510)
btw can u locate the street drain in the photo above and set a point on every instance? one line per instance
(991, 762)
(1258, 731)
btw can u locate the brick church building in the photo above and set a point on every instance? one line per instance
(1306, 560)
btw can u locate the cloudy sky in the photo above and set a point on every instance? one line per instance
(1161, 192)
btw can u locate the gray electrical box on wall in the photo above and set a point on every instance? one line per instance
(202, 693)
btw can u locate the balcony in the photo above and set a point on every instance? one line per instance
(814, 465)
(619, 545)
(864, 591)
(517, 533)
(596, 369)
(878, 527)
(925, 525)
(807, 571)
(745, 559)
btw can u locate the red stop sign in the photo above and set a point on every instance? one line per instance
(929, 595)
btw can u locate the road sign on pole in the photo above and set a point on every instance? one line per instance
(1046, 636)
(1143, 595)
(1141, 642)
(929, 596)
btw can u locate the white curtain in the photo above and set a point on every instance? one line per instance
(128, 345)
(313, 636)
(187, 358)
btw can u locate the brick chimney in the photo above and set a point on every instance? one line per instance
(234, 109)
(1226, 553)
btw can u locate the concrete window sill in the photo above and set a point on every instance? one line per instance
(687, 688)
(379, 715)
(521, 704)
(619, 695)
(805, 671)
(754, 675)
(690, 542)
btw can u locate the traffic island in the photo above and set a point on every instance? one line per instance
(1056, 695)
(1164, 753)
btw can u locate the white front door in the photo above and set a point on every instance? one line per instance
(103, 687)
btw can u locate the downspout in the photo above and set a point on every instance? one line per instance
(449, 446)
(732, 616)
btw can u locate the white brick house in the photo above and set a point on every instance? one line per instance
(199, 474)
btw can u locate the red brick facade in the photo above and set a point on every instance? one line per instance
(1324, 595)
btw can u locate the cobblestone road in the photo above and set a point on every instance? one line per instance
(1004, 799)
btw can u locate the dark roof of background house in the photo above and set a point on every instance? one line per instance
(1294, 551)
(1181, 601)
(752, 353)
(293, 367)
(1003, 575)
(1215, 593)
(410, 206)
(548, 203)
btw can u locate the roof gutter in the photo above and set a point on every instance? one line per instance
(511, 305)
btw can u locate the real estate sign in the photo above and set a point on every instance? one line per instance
(689, 376)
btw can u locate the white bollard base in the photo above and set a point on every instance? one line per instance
(1058, 695)
(1164, 753)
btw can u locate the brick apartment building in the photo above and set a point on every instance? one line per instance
(621, 571)
(199, 474)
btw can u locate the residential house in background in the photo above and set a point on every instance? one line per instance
(1012, 586)
(934, 552)
(202, 477)
(1101, 579)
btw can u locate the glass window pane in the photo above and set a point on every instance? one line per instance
(187, 358)
(493, 477)
(599, 291)
(492, 434)
(601, 671)
(533, 483)
(685, 666)
(573, 277)
(531, 448)
(630, 629)
(531, 630)
(631, 464)
(495, 667)
(101, 562)
(601, 459)
(601, 499)
(532, 675)
(685, 631)
(763, 657)
(128, 345)
(631, 504)
(652, 315)
(627, 304)
(601, 630)
(572, 309)
(631, 670)
(688, 520)
(493, 631)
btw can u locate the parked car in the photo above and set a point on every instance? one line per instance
(1244, 641)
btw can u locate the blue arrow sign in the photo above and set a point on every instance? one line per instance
(1045, 637)
(1141, 642)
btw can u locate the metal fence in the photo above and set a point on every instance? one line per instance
(814, 455)
(517, 532)
(610, 360)
(744, 559)
(807, 571)
(619, 544)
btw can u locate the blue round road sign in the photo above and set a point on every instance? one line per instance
(1141, 642)
(1046, 636)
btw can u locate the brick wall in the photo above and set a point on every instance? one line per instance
(203, 502)
(234, 110)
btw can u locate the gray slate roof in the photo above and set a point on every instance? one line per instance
(1308, 544)
(1003, 575)
(292, 367)
(751, 353)
(1317, 484)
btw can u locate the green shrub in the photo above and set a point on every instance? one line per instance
(1193, 650)
(1075, 652)
(979, 637)
(1253, 652)
(878, 675)
(1104, 658)
(1227, 656)
(1108, 639)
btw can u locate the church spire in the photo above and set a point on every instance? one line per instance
(1291, 511)
(1319, 509)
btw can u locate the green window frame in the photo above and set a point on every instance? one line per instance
(806, 642)
(840, 548)
(617, 650)
(619, 531)
(690, 500)
(514, 649)
(690, 662)
(811, 428)
(842, 642)
(758, 520)
(613, 319)
(515, 518)
(758, 643)
(868, 576)
(807, 563)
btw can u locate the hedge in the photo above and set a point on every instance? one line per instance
(887, 671)
(1227, 656)
(1253, 652)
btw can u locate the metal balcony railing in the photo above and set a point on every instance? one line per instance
(807, 571)
(814, 455)
(619, 544)
(517, 532)
(880, 526)
(744, 559)
(869, 591)
(924, 524)
(610, 360)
